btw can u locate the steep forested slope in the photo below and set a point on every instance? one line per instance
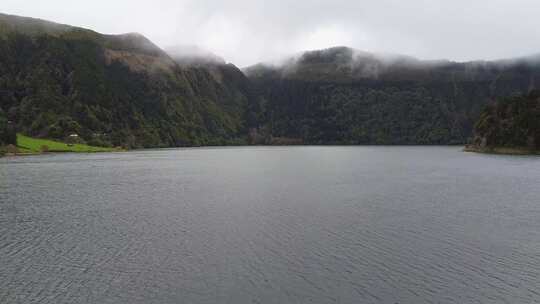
(512, 123)
(56, 80)
(344, 96)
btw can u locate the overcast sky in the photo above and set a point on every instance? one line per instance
(245, 32)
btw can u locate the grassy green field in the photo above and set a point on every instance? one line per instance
(27, 144)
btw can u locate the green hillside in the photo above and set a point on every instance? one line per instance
(122, 90)
(512, 125)
(344, 96)
(37, 145)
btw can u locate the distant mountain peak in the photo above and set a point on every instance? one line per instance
(348, 64)
(113, 89)
(339, 62)
(135, 42)
(133, 49)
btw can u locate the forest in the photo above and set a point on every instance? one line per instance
(113, 90)
(342, 96)
(512, 122)
(57, 81)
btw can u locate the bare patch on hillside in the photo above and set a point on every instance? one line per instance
(139, 62)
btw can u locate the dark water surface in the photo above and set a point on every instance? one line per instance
(271, 225)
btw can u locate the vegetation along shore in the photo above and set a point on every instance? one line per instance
(58, 82)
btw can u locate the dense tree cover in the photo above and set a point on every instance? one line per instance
(57, 80)
(336, 96)
(512, 122)
(332, 113)
(7, 131)
(115, 90)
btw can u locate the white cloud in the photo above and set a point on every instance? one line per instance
(247, 31)
(323, 37)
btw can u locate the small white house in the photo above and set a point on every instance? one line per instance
(72, 139)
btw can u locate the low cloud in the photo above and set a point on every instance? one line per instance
(246, 32)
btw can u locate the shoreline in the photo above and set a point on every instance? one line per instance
(501, 150)
(11, 154)
(28, 146)
(25, 152)
(467, 148)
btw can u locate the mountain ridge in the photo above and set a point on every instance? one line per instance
(340, 95)
(119, 90)
(123, 90)
(357, 64)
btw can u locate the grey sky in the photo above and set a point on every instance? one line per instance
(245, 32)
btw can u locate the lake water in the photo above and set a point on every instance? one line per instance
(271, 225)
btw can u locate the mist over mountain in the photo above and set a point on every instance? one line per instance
(123, 90)
(347, 64)
(119, 90)
(192, 55)
(341, 95)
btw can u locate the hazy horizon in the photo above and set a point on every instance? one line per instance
(249, 32)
